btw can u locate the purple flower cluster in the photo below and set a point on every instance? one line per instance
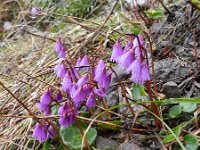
(60, 48)
(81, 84)
(45, 101)
(43, 132)
(133, 59)
(83, 89)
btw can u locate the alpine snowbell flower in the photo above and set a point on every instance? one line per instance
(79, 96)
(58, 46)
(91, 101)
(40, 133)
(51, 132)
(82, 80)
(35, 11)
(117, 51)
(84, 62)
(101, 75)
(126, 59)
(62, 53)
(66, 84)
(134, 61)
(100, 66)
(100, 92)
(67, 117)
(46, 97)
(44, 108)
(128, 46)
(58, 97)
(60, 70)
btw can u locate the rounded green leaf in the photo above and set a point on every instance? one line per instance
(175, 111)
(72, 138)
(188, 107)
(191, 142)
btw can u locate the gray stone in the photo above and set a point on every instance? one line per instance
(171, 90)
(112, 98)
(106, 144)
(130, 146)
(171, 69)
(122, 75)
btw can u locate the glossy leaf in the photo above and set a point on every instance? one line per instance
(72, 138)
(191, 142)
(138, 91)
(175, 111)
(188, 107)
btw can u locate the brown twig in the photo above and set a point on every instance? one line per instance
(123, 91)
(98, 29)
(195, 50)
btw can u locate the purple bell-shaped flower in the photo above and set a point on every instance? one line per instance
(40, 133)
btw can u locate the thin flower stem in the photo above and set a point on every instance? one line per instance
(154, 106)
(195, 51)
(105, 105)
(123, 91)
(152, 63)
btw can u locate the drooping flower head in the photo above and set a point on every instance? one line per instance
(60, 70)
(79, 96)
(58, 97)
(100, 92)
(91, 101)
(126, 59)
(100, 66)
(82, 80)
(62, 53)
(40, 133)
(67, 117)
(84, 62)
(128, 46)
(58, 46)
(66, 84)
(44, 108)
(46, 97)
(117, 51)
(35, 11)
(101, 75)
(51, 132)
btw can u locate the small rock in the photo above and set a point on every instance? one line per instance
(122, 75)
(171, 69)
(112, 98)
(104, 143)
(130, 146)
(171, 90)
(7, 25)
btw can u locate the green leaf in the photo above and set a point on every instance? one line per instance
(138, 91)
(175, 111)
(179, 100)
(136, 30)
(54, 109)
(188, 107)
(110, 127)
(191, 142)
(170, 137)
(72, 138)
(155, 13)
(46, 145)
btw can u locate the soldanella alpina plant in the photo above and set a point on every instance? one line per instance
(83, 83)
